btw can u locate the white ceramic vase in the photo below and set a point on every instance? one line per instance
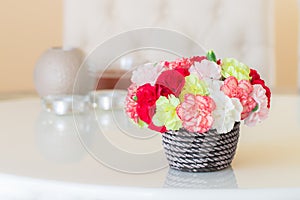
(55, 71)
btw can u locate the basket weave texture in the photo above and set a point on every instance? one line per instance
(205, 152)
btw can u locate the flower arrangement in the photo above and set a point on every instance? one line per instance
(197, 94)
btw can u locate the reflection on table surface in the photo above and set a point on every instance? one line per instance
(57, 140)
(105, 148)
(214, 180)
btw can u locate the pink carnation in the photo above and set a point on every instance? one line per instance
(241, 90)
(261, 112)
(196, 113)
(184, 63)
(197, 59)
(131, 104)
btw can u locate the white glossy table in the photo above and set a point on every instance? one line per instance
(100, 155)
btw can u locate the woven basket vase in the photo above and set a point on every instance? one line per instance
(205, 152)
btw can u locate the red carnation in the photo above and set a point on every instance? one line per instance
(146, 95)
(255, 79)
(173, 80)
(163, 91)
(254, 75)
(161, 129)
(184, 72)
(146, 99)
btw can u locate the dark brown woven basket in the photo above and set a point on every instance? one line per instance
(205, 152)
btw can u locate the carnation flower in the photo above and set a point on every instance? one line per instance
(184, 63)
(172, 80)
(196, 113)
(163, 90)
(227, 112)
(254, 75)
(241, 90)
(180, 65)
(206, 69)
(193, 85)
(255, 79)
(131, 103)
(183, 72)
(147, 73)
(146, 98)
(261, 110)
(232, 67)
(197, 59)
(160, 129)
(198, 94)
(166, 113)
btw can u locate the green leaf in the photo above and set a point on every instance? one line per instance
(211, 56)
(256, 108)
(134, 98)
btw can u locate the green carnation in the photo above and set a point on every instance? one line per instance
(166, 113)
(193, 85)
(232, 67)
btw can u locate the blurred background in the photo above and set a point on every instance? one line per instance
(262, 34)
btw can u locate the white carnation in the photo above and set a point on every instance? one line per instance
(206, 69)
(147, 73)
(228, 110)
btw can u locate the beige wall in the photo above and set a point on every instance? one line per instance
(286, 44)
(27, 29)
